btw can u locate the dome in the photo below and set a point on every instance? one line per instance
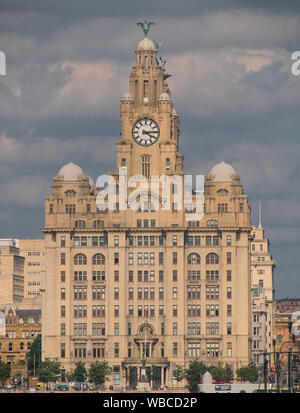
(70, 172)
(146, 44)
(222, 172)
(91, 181)
(164, 96)
(127, 96)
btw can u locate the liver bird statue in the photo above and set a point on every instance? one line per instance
(145, 26)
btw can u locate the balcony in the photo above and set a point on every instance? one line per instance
(162, 361)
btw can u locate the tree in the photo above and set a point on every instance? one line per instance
(99, 372)
(133, 375)
(34, 356)
(194, 374)
(49, 370)
(247, 373)
(154, 375)
(222, 374)
(4, 372)
(79, 373)
(179, 373)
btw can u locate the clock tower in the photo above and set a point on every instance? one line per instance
(149, 122)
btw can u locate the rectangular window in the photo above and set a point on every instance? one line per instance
(116, 240)
(228, 257)
(228, 275)
(161, 258)
(63, 241)
(116, 276)
(174, 275)
(63, 258)
(174, 240)
(130, 258)
(62, 350)
(215, 240)
(116, 258)
(130, 294)
(174, 257)
(175, 349)
(174, 293)
(63, 276)
(130, 276)
(116, 350)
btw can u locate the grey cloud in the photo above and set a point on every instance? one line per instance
(68, 67)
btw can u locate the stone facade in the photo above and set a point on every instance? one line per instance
(21, 328)
(11, 273)
(147, 286)
(34, 267)
(262, 289)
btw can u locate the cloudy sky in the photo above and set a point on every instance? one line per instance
(67, 67)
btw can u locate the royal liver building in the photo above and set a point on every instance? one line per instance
(147, 281)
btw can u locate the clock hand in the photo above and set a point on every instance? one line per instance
(147, 132)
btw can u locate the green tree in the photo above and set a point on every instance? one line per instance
(99, 372)
(34, 356)
(79, 373)
(179, 373)
(220, 373)
(132, 376)
(49, 370)
(247, 373)
(4, 372)
(194, 374)
(154, 375)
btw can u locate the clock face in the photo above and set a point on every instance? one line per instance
(145, 132)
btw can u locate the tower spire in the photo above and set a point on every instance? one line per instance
(259, 215)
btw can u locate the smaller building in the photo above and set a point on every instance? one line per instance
(286, 341)
(262, 296)
(11, 273)
(22, 326)
(34, 268)
(287, 305)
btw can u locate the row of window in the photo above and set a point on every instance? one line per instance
(212, 310)
(145, 258)
(82, 241)
(15, 347)
(98, 329)
(98, 350)
(98, 293)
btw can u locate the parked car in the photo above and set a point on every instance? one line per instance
(62, 387)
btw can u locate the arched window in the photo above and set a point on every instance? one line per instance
(80, 224)
(98, 259)
(212, 258)
(80, 259)
(148, 328)
(222, 192)
(70, 193)
(146, 160)
(194, 258)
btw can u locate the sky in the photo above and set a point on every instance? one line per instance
(67, 67)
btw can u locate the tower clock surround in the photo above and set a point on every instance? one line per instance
(145, 132)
